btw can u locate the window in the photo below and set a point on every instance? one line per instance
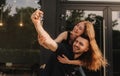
(16, 29)
(97, 0)
(115, 41)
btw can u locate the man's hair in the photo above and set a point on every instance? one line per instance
(85, 37)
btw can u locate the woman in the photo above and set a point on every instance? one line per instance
(96, 59)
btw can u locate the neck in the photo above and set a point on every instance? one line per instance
(76, 55)
(72, 36)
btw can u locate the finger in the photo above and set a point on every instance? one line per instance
(35, 15)
(60, 60)
(32, 16)
(59, 57)
(64, 56)
(39, 13)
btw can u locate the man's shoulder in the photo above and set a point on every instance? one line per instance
(63, 49)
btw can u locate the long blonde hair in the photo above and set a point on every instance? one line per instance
(94, 60)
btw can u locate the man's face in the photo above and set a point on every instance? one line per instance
(80, 45)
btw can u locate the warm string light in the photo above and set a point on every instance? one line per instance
(21, 19)
(21, 24)
(21, 14)
(1, 22)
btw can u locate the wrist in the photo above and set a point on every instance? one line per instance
(69, 62)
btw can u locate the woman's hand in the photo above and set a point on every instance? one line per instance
(63, 59)
(90, 30)
(36, 17)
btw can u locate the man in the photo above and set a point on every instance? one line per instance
(65, 59)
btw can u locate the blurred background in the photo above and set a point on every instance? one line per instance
(20, 53)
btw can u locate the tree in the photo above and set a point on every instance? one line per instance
(75, 17)
(15, 36)
(24, 36)
(2, 2)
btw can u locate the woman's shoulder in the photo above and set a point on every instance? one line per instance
(65, 32)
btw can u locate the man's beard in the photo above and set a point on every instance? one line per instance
(77, 52)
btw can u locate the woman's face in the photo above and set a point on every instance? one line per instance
(78, 29)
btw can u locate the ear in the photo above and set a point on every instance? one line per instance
(86, 49)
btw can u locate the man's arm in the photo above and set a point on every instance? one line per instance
(49, 42)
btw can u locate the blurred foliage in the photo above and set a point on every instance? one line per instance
(12, 35)
(115, 35)
(75, 17)
(2, 2)
(114, 23)
(79, 15)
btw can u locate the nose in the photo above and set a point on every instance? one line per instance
(76, 29)
(76, 44)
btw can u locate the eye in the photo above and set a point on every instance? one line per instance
(81, 43)
(76, 41)
(80, 28)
